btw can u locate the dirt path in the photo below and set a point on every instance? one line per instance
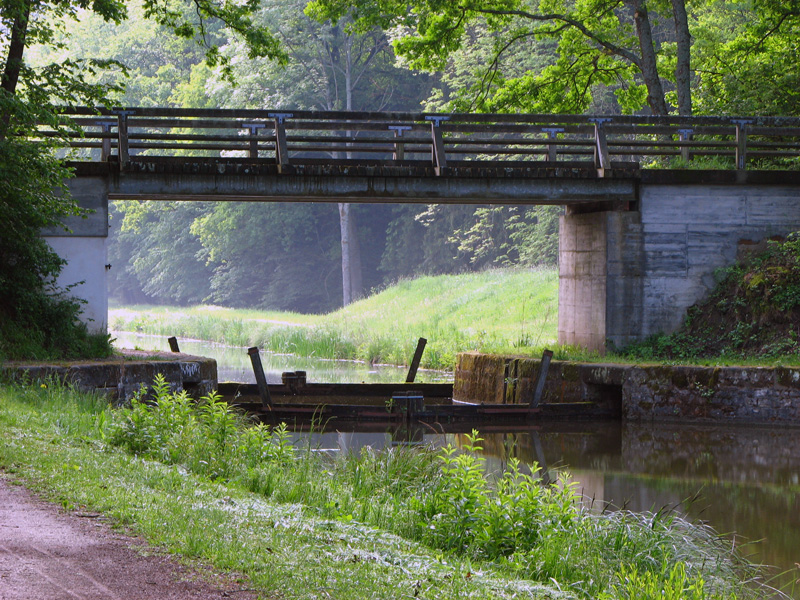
(49, 554)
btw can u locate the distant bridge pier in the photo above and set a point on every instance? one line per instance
(626, 273)
(85, 248)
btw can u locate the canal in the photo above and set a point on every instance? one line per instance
(233, 364)
(744, 481)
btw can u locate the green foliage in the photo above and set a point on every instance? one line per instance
(749, 54)
(531, 57)
(535, 234)
(280, 256)
(671, 584)
(469, 515)
(209, 437)
(155, 253)
(37, 318)
(552, 56)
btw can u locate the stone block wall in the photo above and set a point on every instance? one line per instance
(691, 231)
(119, 380)
(639, 392)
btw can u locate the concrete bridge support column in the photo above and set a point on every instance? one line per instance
(84, 249)
(600, 279)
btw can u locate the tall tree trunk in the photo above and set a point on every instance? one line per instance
(356, 277)
(352, 283)
(344, 229)
(683, 68)
(13, 66)
(649, 66)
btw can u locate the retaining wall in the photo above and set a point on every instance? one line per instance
(119, 379)
(641, 392)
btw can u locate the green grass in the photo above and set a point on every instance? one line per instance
(498, 311)
(512, 312)
(200, 481)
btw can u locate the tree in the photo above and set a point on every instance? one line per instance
(747, 56)
(271, 255)
(609, 42)
(331, 67)
(153, 245)
(36, 318)
(737, 57)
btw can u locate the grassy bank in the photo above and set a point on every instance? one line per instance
(199, 481)
(495, 311)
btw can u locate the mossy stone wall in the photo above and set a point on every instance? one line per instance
(120, 379)
(641, 392)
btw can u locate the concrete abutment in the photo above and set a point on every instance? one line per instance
(627, 274)
(83, 244)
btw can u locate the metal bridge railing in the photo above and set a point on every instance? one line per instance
(437, 140)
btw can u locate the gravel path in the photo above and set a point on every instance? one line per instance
(49, 554)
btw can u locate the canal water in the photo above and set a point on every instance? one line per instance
(742, 480)
(233, 363)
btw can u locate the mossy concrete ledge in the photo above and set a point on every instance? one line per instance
(120, 377)
(639, 392)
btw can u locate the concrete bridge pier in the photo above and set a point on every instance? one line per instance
(84, 246)
(600, 278)
(627, 274)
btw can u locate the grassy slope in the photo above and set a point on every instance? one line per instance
(283, 549)
(494, 311)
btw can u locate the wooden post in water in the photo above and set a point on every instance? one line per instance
(412, 370)
(173, 344)
(547, 355)
(261, 379)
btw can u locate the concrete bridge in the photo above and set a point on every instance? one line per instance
(638, 246)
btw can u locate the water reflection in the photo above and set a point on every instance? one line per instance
(737, 479)
(233, 364)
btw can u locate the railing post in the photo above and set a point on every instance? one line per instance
(253, 128)
(122, 132)
(437, 148)
(281, 147)
(741, 142)
(399, 147)
(602, 160)
(552, 134)
(685, 136)
(105, 143)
